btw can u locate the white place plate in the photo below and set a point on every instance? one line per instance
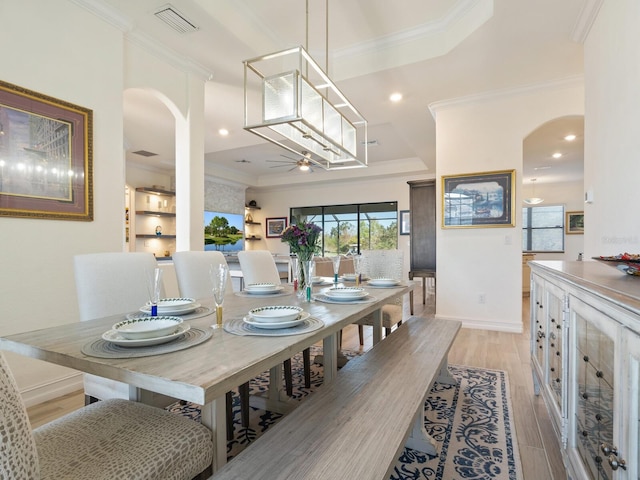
(344, 292)
(383, 282)
(278, 289)
(114, 337)
(275, 313)
(271, 326)
(147, 327)
(261, 287)
(344, 298)
(172, 311)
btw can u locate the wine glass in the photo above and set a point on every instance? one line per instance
(154, 285)
(357, 268)
(336, 268)
(219, 274)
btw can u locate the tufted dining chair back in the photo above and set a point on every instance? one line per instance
(258, 266)
(192, 272)
(107, 284)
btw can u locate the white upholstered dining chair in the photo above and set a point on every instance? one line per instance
(194, 281)
(258, 266)
(103, 441)
(109, 284)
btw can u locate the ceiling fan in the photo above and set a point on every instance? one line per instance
(304, 163)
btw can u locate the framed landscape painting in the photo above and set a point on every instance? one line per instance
(275, 227)
(478, 200)
(574, 224)
(46, 156)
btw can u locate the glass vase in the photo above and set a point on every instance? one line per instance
(308, 269)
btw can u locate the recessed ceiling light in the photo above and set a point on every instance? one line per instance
(570, 138)
(224, 132)
(395, 97)
(556, 155)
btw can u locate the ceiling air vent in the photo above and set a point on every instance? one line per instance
(145, 153)
(176, 20)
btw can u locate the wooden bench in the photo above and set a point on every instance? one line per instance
(357, 425)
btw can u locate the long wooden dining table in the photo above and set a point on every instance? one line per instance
(203, 373)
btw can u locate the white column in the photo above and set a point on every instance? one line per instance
(190, 169)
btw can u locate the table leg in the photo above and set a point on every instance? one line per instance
(214, 418)
(377, 326)
(330, 357)
(424, 289)
(411, 301)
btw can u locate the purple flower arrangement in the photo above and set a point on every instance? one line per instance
(302, 238)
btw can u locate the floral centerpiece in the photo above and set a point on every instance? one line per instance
(302, 238)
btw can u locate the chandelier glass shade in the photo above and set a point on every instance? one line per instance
(533, 200)
(290, 101)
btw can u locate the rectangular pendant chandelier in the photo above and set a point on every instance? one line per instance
(290, 101)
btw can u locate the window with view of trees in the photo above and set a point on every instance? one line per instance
(543, 229)
(352, 228)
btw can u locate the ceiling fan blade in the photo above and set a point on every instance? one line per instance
(292, 169)
(277, 166)
(290, 158)
(280, 161)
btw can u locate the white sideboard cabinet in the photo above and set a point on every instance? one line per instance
(585, 356)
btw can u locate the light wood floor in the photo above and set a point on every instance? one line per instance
(539, 449)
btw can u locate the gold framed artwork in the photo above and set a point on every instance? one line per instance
(476, 200)
(574, 224)
(46, 156)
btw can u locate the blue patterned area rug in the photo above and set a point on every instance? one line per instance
(471, 422)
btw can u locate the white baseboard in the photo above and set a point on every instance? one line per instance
(482, 324)
(53, 389)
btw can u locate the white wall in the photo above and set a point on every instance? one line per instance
(612, 142)
(481, 134)
(60, 50)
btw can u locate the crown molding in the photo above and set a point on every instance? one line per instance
(574, 80)
(107, 13)
(585, 20)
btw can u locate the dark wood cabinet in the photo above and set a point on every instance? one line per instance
(422, 198)
(422, 204)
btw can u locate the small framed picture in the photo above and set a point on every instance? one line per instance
(275, 227)
(574, 224)
(405, 222)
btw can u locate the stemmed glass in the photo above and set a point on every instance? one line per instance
(295, 271)
(336, 268)
(154, 285)
(357, 268)
(219, 274)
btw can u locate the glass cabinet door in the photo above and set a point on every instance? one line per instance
(554, 309)
(628, 455)
(592, 408)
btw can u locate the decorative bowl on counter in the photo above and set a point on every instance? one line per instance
(628, 263)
